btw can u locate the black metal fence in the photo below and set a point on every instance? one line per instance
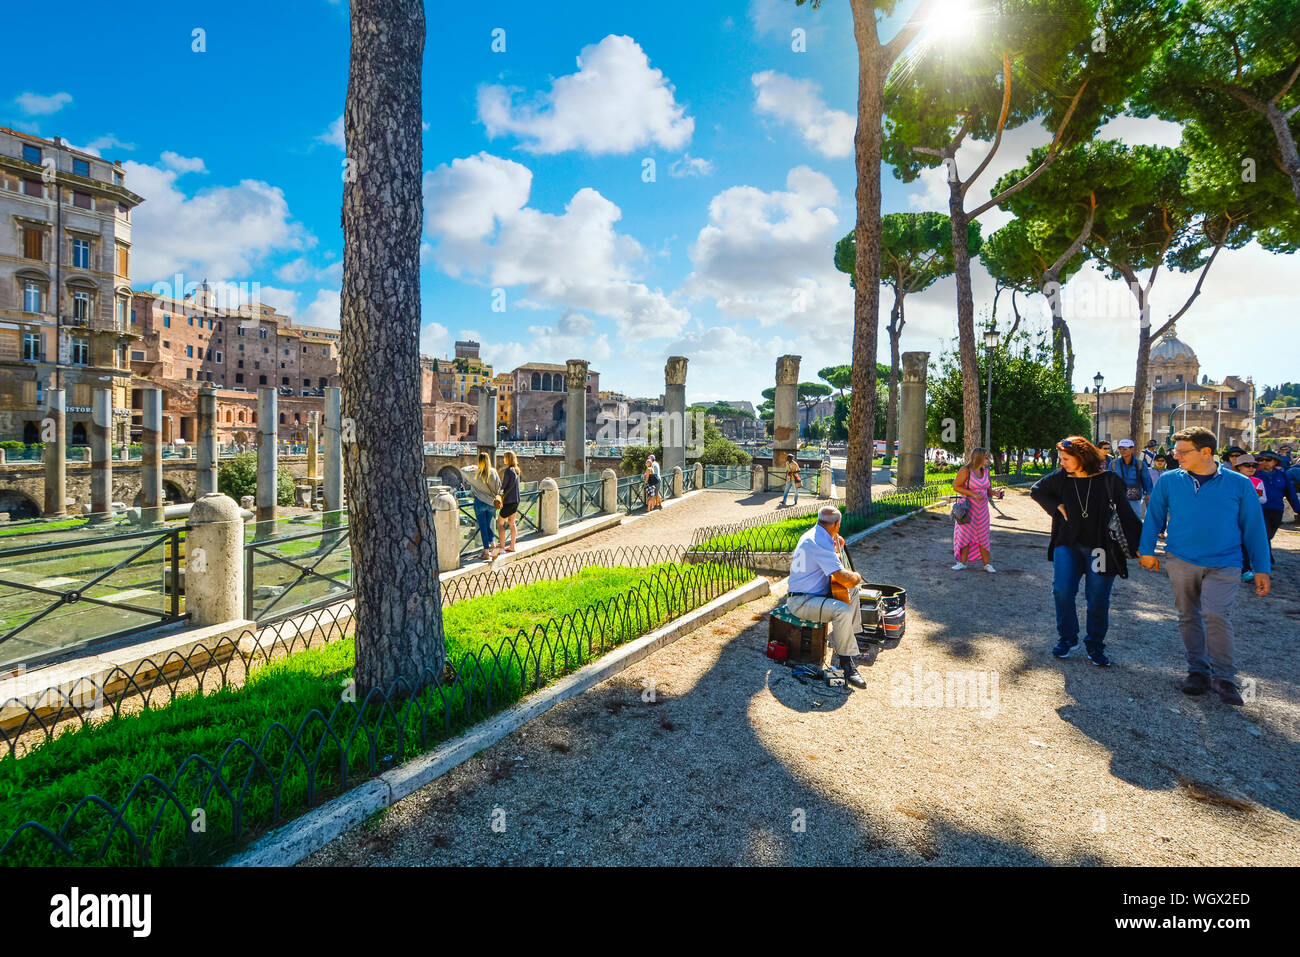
(64, 594)
(291, 573)
(253, 787)
(733, 478)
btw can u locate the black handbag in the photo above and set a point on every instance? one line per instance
(1115, 529)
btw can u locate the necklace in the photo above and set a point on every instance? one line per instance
(1087, 496)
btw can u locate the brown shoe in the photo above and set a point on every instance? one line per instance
(1227, 691)
(1197, 683)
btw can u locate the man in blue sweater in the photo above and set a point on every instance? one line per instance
(1211, 513)
(1277, 492)
(1137, 482)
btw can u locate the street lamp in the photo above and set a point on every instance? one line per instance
(1097, 380)
(990, 343)
(1173, 412)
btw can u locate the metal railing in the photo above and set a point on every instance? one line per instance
(257, 783)
(66, 593)
(737, 478)
(291, 573)
(580, 496)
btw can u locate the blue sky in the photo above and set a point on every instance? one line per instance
(536, 182)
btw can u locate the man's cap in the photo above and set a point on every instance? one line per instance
(1266, 455)
(1233, 450)
(1246, 459)
(1126, 443)
(1151, 444)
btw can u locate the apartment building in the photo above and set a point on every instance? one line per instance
(65, 296)
(469, 373)
(504, 383)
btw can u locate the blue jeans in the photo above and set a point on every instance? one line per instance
(1069, 564)
(788, 486)
(484, 512)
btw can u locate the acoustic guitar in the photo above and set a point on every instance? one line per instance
(841, 592)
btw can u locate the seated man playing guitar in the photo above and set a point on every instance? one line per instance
(822, 589)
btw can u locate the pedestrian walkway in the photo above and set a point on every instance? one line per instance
(708, 753)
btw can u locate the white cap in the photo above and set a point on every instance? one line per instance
(1126, 443)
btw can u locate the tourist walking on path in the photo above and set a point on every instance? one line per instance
(653, 478)
(1149, 454)
(1211, 512)
(485, 485)
(793, 479)
(1137, 487)
(1158, 466)
(1247, 466)
(1230, 455)
(971, 537)
(1106, 457)
(1081, 497)
(509, 501)
(1277, 492)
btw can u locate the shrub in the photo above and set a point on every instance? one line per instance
(12, 446)
(237, 477)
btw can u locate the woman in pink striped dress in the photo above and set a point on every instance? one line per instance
(974, 482)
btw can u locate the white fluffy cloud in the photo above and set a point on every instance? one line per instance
(35, 104)
(221, 232)
(476, 213)
(323, 310)
(688, 165)
(434, 340)
(799, 104)
(615, 103)
(334, 134)
(766, 256)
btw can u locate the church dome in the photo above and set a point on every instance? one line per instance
(1170, 347)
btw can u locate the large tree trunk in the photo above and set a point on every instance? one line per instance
(895, 331)
(867, 143)
(1286, 143)
(398, 613)
(970, 372)
(1138, 406)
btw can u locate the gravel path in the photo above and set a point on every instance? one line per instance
(734, 762)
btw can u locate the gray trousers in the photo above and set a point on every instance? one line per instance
(1204, 597)
(845, 618)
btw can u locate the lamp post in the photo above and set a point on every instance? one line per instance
(990, 343)
(1173, 412)
(1097, 380)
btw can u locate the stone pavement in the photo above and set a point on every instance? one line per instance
(732, 761)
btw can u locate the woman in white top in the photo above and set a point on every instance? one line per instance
(485, 484)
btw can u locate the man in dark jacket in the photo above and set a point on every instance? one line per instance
(1137, 483)
(1277, 492)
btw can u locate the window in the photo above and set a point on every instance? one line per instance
(241, 347)
(31, 153)
(219, 362)
(219, 327)
(123, 261)
(31, 297)
(239, 377)
(241, 364)
(282, 418)
(121, 313)
(32, 187)
(117, 177)
(306, 383)
(133, 317)
(189, 373)
(81, 253)
(137, 355)
(284, 380)
(189, 352)
(286, 352)
(324, 351)
(208, 357)
(81, 200)
(32, 346)
(81, 167)
(1232, 401)
(322, 383)
(191, 318)
(32, 243)
(81, 306)
(81, 352)
(265, 350)
(304, 350)
(261, 334)
(240, 332)
(166, 344)
(261, 380)
(167, 322)
(1178, 378)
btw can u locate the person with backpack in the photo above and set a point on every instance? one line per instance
(1247, 466)
(1277, 492)
(1085, 502)
(509, 514)
(1137, 485)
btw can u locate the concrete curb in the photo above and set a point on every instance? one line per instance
(309, 833)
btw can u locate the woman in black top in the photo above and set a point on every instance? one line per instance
(509, 501)
(1079, 496)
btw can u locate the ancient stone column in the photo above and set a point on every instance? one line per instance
(675, 477)
(575, 418)
(911, 420)
(313, 439)
(487, 422)
(333, 466)
(151, 488)
(214, 561)
(548, 512)
(54, 435)
(101, 455)
(267, 458)
(785, 422)
(205, 477)
(446, 526)
(674, 430)
(609, 491)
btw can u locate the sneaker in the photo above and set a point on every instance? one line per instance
(1062, 650)
(959, 566)
(1098, 658)
(1227, 691)
(1198, 682)
(1248, 576)
(990, 569)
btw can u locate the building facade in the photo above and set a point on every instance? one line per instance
(1178, 397)
(538, 402)
(65, 255)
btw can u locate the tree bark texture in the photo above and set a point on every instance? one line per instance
(895, 331)
(970, 375)
(398, 613)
